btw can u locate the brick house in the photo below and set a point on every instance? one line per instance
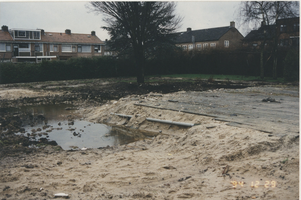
(227, 37)
(256, 37)
(35, 45)
(287, 31)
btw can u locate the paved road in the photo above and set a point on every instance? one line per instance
(240, 107)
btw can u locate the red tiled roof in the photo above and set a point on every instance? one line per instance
(5, 36)
(50, 37)
(70, 38)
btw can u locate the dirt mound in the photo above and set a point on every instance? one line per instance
(211, 160)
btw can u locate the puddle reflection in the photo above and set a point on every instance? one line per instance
(51, 121)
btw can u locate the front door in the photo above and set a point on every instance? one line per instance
(16, 50)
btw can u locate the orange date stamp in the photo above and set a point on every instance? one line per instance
(254, 184)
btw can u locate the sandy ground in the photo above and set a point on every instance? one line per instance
(208, 161)
(11, 94)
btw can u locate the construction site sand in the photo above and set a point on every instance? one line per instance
(201, 162)
(12, 94)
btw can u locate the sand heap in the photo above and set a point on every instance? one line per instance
(208, 161)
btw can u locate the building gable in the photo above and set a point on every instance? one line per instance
(5, 36)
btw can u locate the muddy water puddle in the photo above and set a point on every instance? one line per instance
(61, 124)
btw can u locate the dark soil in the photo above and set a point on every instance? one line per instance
(113, 91)
(12, 144)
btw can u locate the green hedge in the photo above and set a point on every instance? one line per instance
(238, 62)
(75, 68)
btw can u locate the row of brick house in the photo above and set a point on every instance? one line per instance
(285, 30)
(228, 37)
(25, 45)
(19, 45)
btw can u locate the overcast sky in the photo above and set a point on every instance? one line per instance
(57, 16)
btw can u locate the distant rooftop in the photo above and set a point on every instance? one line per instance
(202, 35)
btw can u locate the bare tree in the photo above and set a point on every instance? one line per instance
(267, 13)
(138, 27)
(281, 9)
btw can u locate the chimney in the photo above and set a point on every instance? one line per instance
(4, 28)
(232, 24)
(188, 29)
(93, 33)
(68, 31)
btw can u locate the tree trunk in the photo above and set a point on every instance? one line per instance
(275, 59)
(275, 66)
(261, 65)
(140, 74)
(275, 50)
(140, 63)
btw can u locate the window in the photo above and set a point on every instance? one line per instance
(296, 27)
(199, 46)
(21, 34)
(226, 43)
(205, 45)
(184, 47)
(255, 44)
(86, 49)
(190, 47)
(5, 47)
(73, 48)
(295, 41)
(53, 48)
(284, 42)
(8, 47)
(24, 47)
(36, 35)
(38, 47)
(108, 53)
(97, 48)
(283, 28)
(212, 45)
(79, 48)
(66, 48)
(2, 47)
